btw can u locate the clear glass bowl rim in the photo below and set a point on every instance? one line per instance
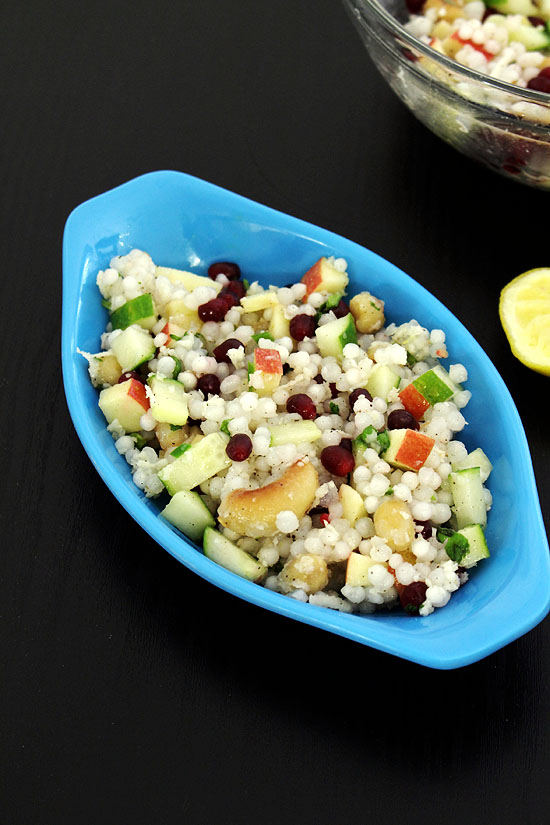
(384, 17)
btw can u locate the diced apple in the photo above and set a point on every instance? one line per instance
(333, 337)
(126, 403)
(177, 311)
(413, 401)
(107, 370)
(353, 504)
(324, 277)
(279, 325)
(174, 333)
(267, 365)
(408, 449)
(357, 570)
(256, 303)
(170, 401)
(188, 280)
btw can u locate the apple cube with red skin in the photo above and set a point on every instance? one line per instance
(173, 332)
(268, 363)
(413, 401)
(324, 277)
(408, 450)
(125, 402)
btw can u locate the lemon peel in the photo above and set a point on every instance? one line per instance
(524, 311)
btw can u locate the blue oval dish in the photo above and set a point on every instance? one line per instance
(185, 222)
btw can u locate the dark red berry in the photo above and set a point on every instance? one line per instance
(127, 375)
(333, 391)
(413, 596)
(239, 447)
(414, 6)
(545, 72)
(236, 288)
(209, 384)
(540, 83)
(337, 460)
(229, 299)
(536, 21)
(231, 271)
(347, 444)
(213, 310)
(402, 420)
(423, 528)
(324, 519)
(353, 396)
(220, 353)
(341, 309)
(301, 404)
(319, 379)
(302, 326)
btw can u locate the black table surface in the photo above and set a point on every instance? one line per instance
(133, 691)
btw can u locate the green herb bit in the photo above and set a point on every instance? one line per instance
(444, 533)
(175, 427)
(334, 408)
(106, 303)
(175, 337)
(366, 436)
(180, 450)
(139, 439)
(246, 284)
(457, 547)
(250, 368)
(389, 491)
(259, 335)
(383, 439)
(376, 307)
(225, 426)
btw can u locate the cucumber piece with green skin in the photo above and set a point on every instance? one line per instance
(382, 380)
(170, 401)
(140, 310)
(524, 7)
(134, 346)
(297, 432)
(476, 458)
(333, 337)
(534, 39)
(435, 385)
(219, 549)
(467, 492)
(203, 460)
(188, 512)
(478, 549)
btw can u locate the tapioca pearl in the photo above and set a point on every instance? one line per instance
(124, 443)
(354, 594)
(362, 404)
(222, 370)
(261, 441)
(379, 405)
(226, 328)
(456, 451)
(422, 570)
(381, 467)
(441, 513)
(423, 550)
(214, 409)
(405, 573)
(402, 492)
(371, 503)
(316, 300)
(262, 464)
(234, 409)
(298, 360)
(462, 398)
(204, 365)
(438, 596)
(331, 371)
(238, 425)
(166, 365)
(341, 551)
(396, 476)
(429, 477)
(147, 422)
(313, 544)
(379, 577)
(362, 420)
(434, 459)
(297, 547)
(208, 427)
(249, 401)
(307, 346)
(330, 438)
(266, 407)
(189, 359)
(487, 498)
(444, 470)
(421, 510)
(354, 377)
(210, 330)
(268, 556)
(352, 537)
(285, 295)
(281, 396)
(361, 474)
(436, 578)
(352, 351)
(474, 10)
(324, 422)
(233, 316)
(317, 392)
(108, 277)
(365, 527)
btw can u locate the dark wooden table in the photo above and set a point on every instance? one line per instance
(132, 691)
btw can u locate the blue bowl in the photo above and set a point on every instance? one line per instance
(184, 222)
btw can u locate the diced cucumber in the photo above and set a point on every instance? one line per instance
(219, 549)
(205, 458)
(534, 39)
(170, 401)
(478, 545)
(382, 380)
(333, 337)
(188, 512)
(188, 280)
(524, 7)
(297, 432)
(435, 385)
(133, 347)
(140, 310)
(467, 491)
(476, 458)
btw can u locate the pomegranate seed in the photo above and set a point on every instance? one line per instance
(301, 404)
(414, 6)
(209, 384)
(231, 271)
(341, 309)
(423, 528)
(353, 396)
(545, 72)
(402, 420)
(540, 83)
(412, 596)
(239, 447)
(220, 353)
(302, 326)
(229, 298)
(347, 444)
(127, 375)
(236, 288)
(324, 519)
(213, 310)
(337, 460)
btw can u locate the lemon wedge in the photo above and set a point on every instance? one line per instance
(524, 311)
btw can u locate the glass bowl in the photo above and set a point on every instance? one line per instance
(504, 127)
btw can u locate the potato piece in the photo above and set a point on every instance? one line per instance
(254, 512)
(368, 312)
(394, 523)
(169, 438)
(305, 572)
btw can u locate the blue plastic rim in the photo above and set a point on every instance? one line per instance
(188, 223)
